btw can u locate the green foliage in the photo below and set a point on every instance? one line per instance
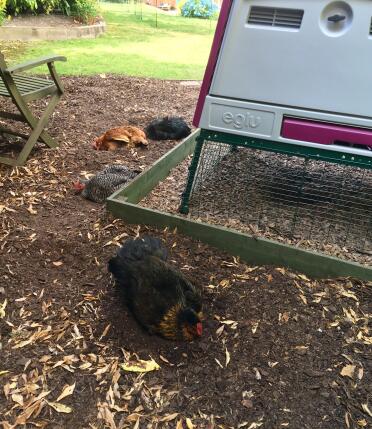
(199, 8)
(47, 6)
(84, 11)
(2, 10)
(16, 7)
(65, 7)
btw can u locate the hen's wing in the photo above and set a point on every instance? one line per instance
(134, 131)
(172, 285)
(116, 168)
(118, 134)
(118, 180)
(137, 136)
(149, 288)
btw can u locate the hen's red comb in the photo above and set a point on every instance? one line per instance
(78, 186)
(199, 329)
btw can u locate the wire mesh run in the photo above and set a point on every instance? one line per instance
(293, 199)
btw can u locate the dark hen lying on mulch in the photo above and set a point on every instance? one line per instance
(278, 350)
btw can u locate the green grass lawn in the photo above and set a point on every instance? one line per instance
(136, 43)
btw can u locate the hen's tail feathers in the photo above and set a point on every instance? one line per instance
(139, 248)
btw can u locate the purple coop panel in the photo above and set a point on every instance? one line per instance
(324, 133)
(292, 71)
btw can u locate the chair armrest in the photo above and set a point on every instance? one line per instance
(34, 63)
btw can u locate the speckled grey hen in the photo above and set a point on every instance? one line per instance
(105, 183)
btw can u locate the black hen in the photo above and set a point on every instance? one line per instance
(168, 128)
(162, 300)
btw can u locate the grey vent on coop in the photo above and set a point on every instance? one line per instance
(275, 17)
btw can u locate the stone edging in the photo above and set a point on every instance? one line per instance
(30, 34)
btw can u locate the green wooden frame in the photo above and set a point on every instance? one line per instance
(123, 204)
(22, 89)
(271, 146)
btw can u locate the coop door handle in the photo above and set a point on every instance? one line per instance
(336, 18)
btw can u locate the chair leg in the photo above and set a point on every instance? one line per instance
(38, 133)
(44, 136)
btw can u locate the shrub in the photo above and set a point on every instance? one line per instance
(16, 7)
(118, 1)
(47, 6)
(199, 9)
(85, 11)
(64, 7)
(2, 10)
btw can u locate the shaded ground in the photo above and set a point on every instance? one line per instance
(308, 204)
(279, 350)
(42, 21)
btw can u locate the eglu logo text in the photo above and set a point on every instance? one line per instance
(241, 120)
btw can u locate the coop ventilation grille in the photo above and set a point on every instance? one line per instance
(275, 17)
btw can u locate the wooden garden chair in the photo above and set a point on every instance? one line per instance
(22, 89)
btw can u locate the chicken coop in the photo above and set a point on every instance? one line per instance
(285, 112)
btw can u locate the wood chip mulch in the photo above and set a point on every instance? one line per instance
(253, 203)
(279, 350)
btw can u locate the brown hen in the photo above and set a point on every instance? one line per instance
(116, 137)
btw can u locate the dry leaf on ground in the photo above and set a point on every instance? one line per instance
(348, 371)
(67, 390)
(60, 408)
(140, 366)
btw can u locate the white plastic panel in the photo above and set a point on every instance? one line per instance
(265, 121)
(260, 122)
(323, 65)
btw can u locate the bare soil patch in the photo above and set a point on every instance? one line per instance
(42, 21)
(279, 350)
